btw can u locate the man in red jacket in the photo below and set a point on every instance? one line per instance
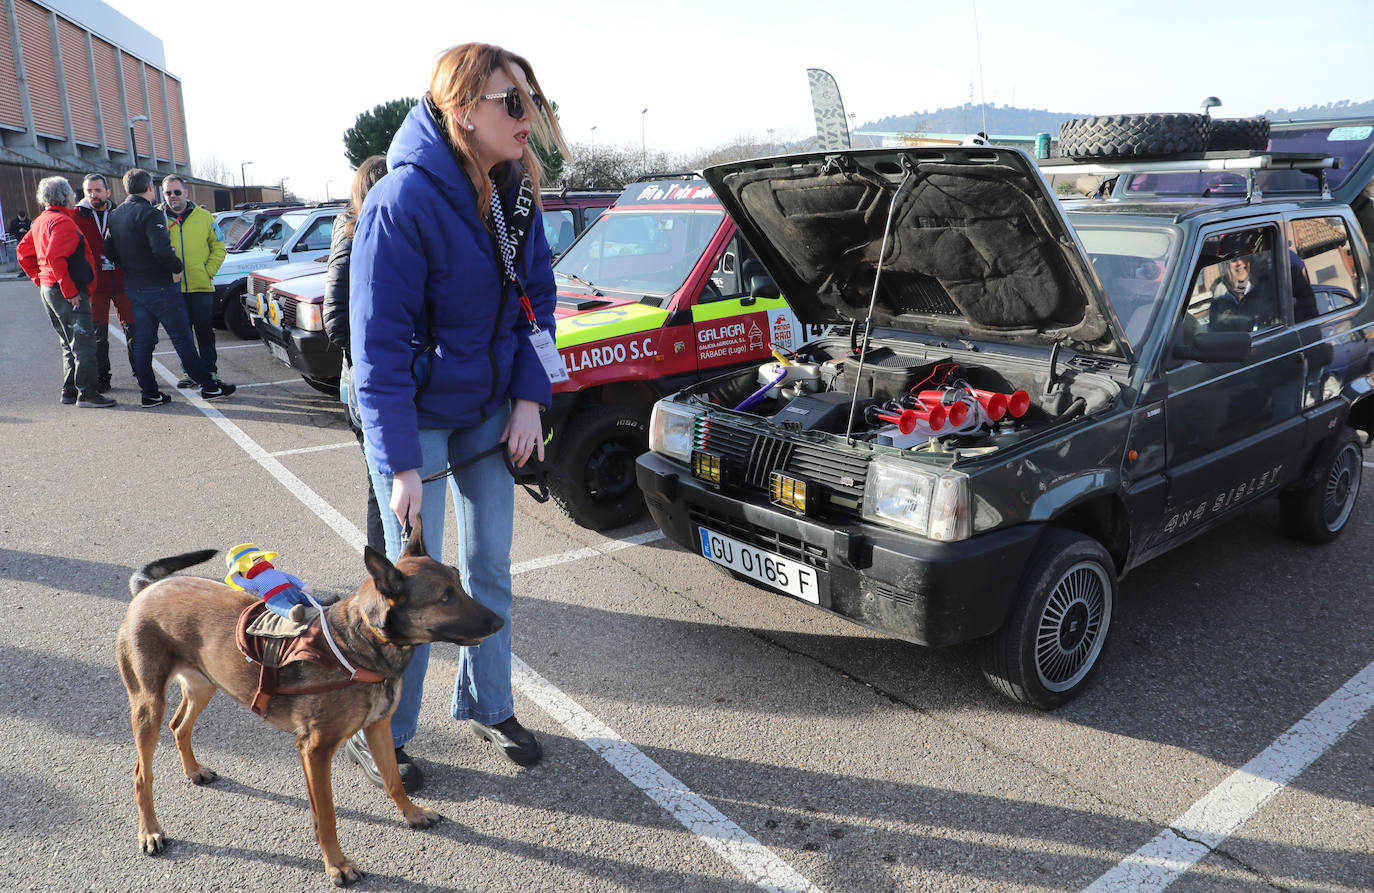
(56, 257)
(93, 216)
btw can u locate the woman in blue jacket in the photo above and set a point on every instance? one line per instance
(452, 293)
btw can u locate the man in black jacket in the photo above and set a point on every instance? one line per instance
(138, 243)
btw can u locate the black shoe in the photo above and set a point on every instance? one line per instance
(158, 399)
(96, 401)
(412, 779)
(68, 397)
(517, 742)
(219, 390)
(186, 383)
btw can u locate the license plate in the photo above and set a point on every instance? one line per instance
(279, 352)
(781, 573)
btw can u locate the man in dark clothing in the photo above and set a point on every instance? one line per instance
(93, 217)
(19, 226)
(137, 242)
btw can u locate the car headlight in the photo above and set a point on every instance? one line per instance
(931, 503)
(308, 317)
(671, 429)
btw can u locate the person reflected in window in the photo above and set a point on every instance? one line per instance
(1241, 300)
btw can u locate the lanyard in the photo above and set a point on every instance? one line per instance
(507, 247)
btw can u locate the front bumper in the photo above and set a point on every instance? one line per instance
(905, 586)
(309, 353)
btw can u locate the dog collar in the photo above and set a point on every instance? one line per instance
(377, 636)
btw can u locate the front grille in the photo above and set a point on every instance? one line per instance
(763, 538)
(752, 457)
(288, 310)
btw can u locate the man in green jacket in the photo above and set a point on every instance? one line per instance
(198, 244)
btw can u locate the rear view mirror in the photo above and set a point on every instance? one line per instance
(1215, 347)
(763, 287)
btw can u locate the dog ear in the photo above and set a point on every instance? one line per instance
(389, 581)
(415, 548)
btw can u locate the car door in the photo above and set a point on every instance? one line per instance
(314, 238)
(1231, 427)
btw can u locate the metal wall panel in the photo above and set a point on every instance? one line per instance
(107, 76)
(178, 121)
(11, 109)
(133, 91)
(41, 68)
(78, 77)
(158, 114)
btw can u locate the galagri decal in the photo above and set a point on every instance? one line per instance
(724, 339)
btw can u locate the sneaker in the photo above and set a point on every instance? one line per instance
(186, 383)
(519, 746)
(219, 390)
(412, 779)
(157, 399)
(96, 401)
(68, 397)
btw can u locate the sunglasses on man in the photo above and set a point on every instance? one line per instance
(515, 104)
(172, 192)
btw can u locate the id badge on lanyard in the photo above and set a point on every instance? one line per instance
(544, 347)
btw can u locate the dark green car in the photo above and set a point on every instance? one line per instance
(1045, 394)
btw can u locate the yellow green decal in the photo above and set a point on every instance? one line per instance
(609, 323)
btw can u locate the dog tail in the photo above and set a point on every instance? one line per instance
(164, 567)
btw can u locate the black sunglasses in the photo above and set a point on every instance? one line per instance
(515, 105)
(172, 192)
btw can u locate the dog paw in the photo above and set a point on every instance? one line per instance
(343, 874)
(202, 775)
(421, 817)
(152, 842)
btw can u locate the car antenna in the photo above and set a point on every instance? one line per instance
(872, 301)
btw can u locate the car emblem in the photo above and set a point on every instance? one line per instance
(846, 481)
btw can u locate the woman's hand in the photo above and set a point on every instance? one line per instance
(405, 496)
(524, 434)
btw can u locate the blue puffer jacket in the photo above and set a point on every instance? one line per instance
(420, 242)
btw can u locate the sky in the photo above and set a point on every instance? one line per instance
(277, 83)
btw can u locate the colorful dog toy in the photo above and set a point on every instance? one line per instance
(251, 570)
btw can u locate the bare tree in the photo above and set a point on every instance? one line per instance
(606, 166)
(212, 168)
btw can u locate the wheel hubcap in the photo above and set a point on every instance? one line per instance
(1342, 486)
(1072, 627)
(610, 470)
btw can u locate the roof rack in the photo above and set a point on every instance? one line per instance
(1233, 162)
(675, 175)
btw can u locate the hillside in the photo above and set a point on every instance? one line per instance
(968, 118)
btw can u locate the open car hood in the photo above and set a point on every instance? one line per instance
(978, 246)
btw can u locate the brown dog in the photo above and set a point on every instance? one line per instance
(183, 627)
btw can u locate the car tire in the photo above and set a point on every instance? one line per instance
(593, 479)
(1318, 512)
(1052, 642)
(323, 385)
(1238, 134)
(237, 320)
(1125, 136)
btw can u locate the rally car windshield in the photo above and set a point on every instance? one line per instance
(275, 233)
(1130, 263)
(647, 252)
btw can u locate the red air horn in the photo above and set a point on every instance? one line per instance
(997, 405)
(956, 409)
(907, 419)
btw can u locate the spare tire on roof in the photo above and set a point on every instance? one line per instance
(1238, 134)
(1126, 136)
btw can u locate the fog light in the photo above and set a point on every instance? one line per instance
(708, 467)
(788, 492)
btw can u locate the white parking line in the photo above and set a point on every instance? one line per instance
(315, 449)
(266, 384)
(760, 865)
(218, 347)
(1230, 804)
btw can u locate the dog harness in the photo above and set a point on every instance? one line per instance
(273, 641)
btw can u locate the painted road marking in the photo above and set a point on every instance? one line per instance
(1230, 804)
(732, 843)
(316, 449)
(218, 347)
(265, 384)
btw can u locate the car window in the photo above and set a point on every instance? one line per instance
(1130, 263)
(734, 270)
(1324, 273)
(317, 235)
(1235, 283)
(558, 230)
(590, 214)
(649, 252)
(278, 229)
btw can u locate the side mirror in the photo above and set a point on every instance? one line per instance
(1215, 347)
(763, 287)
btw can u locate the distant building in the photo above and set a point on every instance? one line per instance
(81, 88)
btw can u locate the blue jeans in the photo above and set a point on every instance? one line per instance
(76, 334)
(484, 498)
(163, 305)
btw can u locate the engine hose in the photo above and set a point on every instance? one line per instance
(758, 395)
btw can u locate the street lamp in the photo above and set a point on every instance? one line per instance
(593, 134)
(244, 177)
(643, 142)
(771, 149)
(282, 186)
(326, 189)
(133, 141)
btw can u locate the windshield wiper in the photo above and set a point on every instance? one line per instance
(580, 281)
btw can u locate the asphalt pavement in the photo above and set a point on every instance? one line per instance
(699, 734)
